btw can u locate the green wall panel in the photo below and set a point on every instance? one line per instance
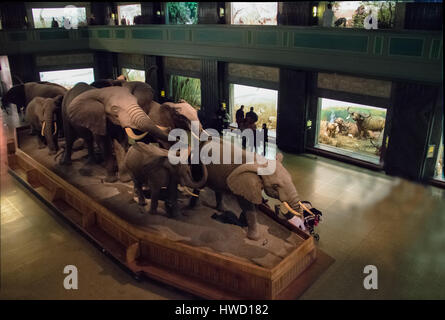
(230, 37)
(332, 42)
(406, 47)
(85, 33)
(103, 33)
(54, 35)
(120, 34)
(267, 38)
(178, 35)
(378, 45)
(147, 34)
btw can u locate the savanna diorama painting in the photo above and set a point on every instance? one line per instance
(186, 88)
(254, 13)
(352, 127)
(264, 102)
(133, 74)
(351, 14)
(68, 78)
(43, 17)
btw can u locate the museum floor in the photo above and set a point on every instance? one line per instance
(369, 219)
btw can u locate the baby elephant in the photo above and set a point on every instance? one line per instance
(41, 114)
(149, 165)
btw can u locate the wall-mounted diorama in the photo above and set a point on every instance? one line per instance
(352, 14)
(68, 78)
(351, 129)
(57, 17)
(133, 74)
(127, 12)
(187, 88)
(264, 101)
(182, 12)
(254, 13)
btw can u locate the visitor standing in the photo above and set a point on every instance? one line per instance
(250, 123)
(222, 119)
(239, 117)
(264, 138)
(328, 16)
(54, 23)
(123, 21)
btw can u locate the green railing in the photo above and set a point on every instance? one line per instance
(414, 55)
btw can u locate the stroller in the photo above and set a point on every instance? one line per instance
(311, 217)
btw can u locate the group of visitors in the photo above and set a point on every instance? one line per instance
(247, 121)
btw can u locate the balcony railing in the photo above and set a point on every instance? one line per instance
(415, 55)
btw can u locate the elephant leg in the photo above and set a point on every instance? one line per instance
(249, 211)
(70, 137)
(154, 198)
(171, 202)
(41, 141)
(219, 201)
(90, 146)
(110, 161)
(139, 193)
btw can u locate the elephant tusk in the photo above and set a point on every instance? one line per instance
(292, 210)
(43, 128)
(134, 136)
(305, 208)
(190, 193)
(162, 128)
(194, 134)
(55, 128)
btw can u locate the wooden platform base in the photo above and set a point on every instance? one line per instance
(196, 270)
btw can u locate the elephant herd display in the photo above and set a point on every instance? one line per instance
(116, 110)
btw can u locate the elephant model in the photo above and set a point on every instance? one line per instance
(104, 114)
(141, 90)
(243, 181)
(42, 115)
(149, 165)
(22, 94)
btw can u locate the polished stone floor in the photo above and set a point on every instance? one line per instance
(369, 219)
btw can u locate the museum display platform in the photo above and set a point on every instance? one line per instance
(193, 252)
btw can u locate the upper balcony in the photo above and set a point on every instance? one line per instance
(388, 54)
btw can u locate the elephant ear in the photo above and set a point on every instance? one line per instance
(88, 113)
(244, 181)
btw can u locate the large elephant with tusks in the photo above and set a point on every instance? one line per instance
(104, 114)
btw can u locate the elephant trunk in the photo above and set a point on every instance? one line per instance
(190, 182)
(49, 128)
(142, 122)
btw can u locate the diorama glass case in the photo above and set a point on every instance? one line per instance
(351, 129)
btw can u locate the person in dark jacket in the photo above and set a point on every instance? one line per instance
(54, 23)
(222, 119)
(239, 117)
